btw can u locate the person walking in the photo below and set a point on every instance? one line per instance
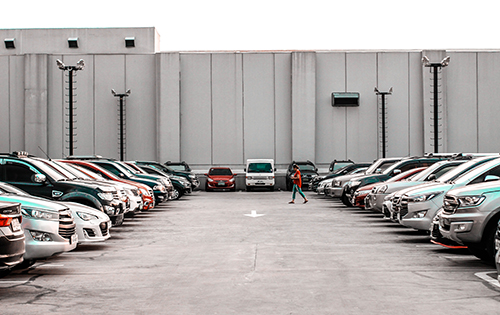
(297, 184)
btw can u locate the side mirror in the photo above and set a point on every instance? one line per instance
(122, 175)
(490, 178)
(206, 174)
(432, 177)
(397, 171)
(39, 178)
(378, 171)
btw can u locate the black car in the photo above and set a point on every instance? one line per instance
(336, 164)
(39, 179)
(346, 169)
(308, 171)
(175, 170)
(181, 185)
(11, 236)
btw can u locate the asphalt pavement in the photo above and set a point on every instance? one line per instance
(253, 253)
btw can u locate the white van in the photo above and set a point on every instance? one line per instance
(260, 173)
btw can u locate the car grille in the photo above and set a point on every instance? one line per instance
(450, 204)
(259, 177)
(67, 226)
(403, 206)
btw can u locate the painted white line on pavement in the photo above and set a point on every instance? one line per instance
(484, 276)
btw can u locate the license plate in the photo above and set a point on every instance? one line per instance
(221, 184)
(16, 226)
(74, 239)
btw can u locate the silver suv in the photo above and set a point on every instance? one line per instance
(470, 216)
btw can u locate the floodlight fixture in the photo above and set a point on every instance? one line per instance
(383, 122)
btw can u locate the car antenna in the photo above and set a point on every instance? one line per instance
(48, 157)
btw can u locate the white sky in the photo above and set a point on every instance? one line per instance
(277, 24)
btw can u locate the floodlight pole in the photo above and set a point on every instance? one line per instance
(435, 71)
(70, 69)
(383, 95)
(122, 121)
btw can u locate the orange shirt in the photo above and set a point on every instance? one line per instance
(298, 180)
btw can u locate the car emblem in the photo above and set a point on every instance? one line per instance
(56, 194)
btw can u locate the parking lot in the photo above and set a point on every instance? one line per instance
(253, 253)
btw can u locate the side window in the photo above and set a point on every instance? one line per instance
(110, 168)
(494, 171)
(16, 172)
(444, 170)
(409, 166)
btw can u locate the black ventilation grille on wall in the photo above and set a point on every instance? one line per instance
(345, 99)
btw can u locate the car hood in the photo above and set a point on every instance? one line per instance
(476, 189)
(429, 188)
(86, 184)
(74, 207)
(220, 177)
(29, 201)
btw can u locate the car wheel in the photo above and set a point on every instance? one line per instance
(485, 250)
(249, 188)
(177, 194)
(345, 200)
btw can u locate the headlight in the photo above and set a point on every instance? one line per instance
(470, 201)
(270, 177)
(40, 214)
(336, 183)
(144, 191)
(86, 216)
(192, 176)
(107, 189)
(424, 197)
(232, 180)
(418, 214)
(382, 189)
(106, 196)
(355, 183)
(209, 179)
(160, 187)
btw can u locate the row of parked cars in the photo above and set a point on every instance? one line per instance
(48, 206)
(456, 198)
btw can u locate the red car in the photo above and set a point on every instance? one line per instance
(147, 196)
(220, 178)
(362, 192)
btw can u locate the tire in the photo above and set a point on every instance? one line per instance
(345, 200)
(271, 189)
(485, 250)
(249, 188)
(25, 264)
(177, 194)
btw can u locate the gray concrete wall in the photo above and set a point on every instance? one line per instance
(221, 108)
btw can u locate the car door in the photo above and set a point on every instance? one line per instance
(20, 174)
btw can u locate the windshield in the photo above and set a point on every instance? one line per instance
(307, 167)
(431, 170)
(380, 165)
(260, 168)
(71, 169)
(340, 165)
(89, 173)
(178, 167)
(459, 170)
(220, 171)
(54, 174)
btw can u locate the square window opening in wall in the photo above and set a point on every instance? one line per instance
(129, 42)
(73, 42)
(345, 99)
(10, 43)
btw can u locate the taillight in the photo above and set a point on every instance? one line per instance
(4, 220)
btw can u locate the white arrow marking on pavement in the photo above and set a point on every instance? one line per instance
(254, 214)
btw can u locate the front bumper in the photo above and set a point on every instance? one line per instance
(221, 185)
(407, 217)
(462, 227)
(12, 247)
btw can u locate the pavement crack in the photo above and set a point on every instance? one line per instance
(255, 257)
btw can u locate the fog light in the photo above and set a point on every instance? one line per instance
(461, 227)
(109, 210)
(419, 214)
(41, 236)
